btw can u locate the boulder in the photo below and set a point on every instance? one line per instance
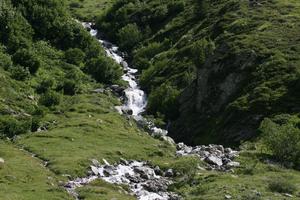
(214, 160)
(233, 164)
(1, 161)
(169, 173)
(95, 170)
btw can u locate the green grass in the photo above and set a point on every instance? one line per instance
(92, 130)
(23, 177)
(210, 185)
(87, 10)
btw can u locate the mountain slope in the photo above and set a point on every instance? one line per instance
(219, 66)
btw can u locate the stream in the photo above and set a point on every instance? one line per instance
(144, 181)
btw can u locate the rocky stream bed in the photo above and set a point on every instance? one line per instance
(145, 181)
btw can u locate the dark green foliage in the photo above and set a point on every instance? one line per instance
(19, 73)
(28, 59)
(45, 85)
(222, 55)
(103, 70)
(69, 87)
(74, 56)
(164, 100)
(201, 50)
(283, 140)
(10, 126)
(50, 99)
(282, 185)
(5, 61)
(129, 36)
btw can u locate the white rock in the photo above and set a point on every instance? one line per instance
(233, 164)
(214, 160)
(95, 170)
(1, 160)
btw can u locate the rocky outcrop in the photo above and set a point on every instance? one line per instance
(143, 180)
(204, 104)
(216, 156)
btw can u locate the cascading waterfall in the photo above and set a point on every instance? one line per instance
(136, 99)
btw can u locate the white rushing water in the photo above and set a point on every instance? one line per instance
(136, 99)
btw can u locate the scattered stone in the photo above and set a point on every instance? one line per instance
(99, 90)
(214, 160)
(142, 179)
(216, 156)
(233, 164)
(169, 173)
(227, 196)
(288, 195)
(94, 170)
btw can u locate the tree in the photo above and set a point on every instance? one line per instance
(74, 56)
(129, 36)
(103, 69)
(28, 59)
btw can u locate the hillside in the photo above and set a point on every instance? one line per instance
(220, 67)
(223, 72)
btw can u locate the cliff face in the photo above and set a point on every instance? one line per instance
(203, 104)
(214, 68)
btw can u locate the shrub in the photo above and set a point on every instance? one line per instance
(186, 166)
(129, 36)
(49, 99)
(5, 61)
(164, 100)
(104, 70)
(74, 56)
(281, 185)
(45, 86)
(282, 140)
(69, 87)
(19, 73)
(10, 126)
(27, 59)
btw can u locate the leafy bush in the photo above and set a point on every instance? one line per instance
(50, 99)
(19, 73)
(10, 126)
(74, 56)
(28, 59)
(103, 70)
(281, 185)
(5, 61)
(282, 140)
(69, 87)
(164, 100)
(186, 166)
(45, 85)
(129, 36)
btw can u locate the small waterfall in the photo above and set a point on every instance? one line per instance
(136, 99)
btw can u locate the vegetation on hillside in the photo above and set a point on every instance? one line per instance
(228, 63)
(45, 54)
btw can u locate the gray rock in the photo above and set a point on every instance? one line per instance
(158, 171)
(233, 164)
(95, 162)
(214, 160)
(98, 90)
(95, 170)
(169, 173)
(123, 161)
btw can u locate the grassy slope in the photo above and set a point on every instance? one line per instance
(86, 128)
(88, 9)
(264, 36)
(23, 177)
